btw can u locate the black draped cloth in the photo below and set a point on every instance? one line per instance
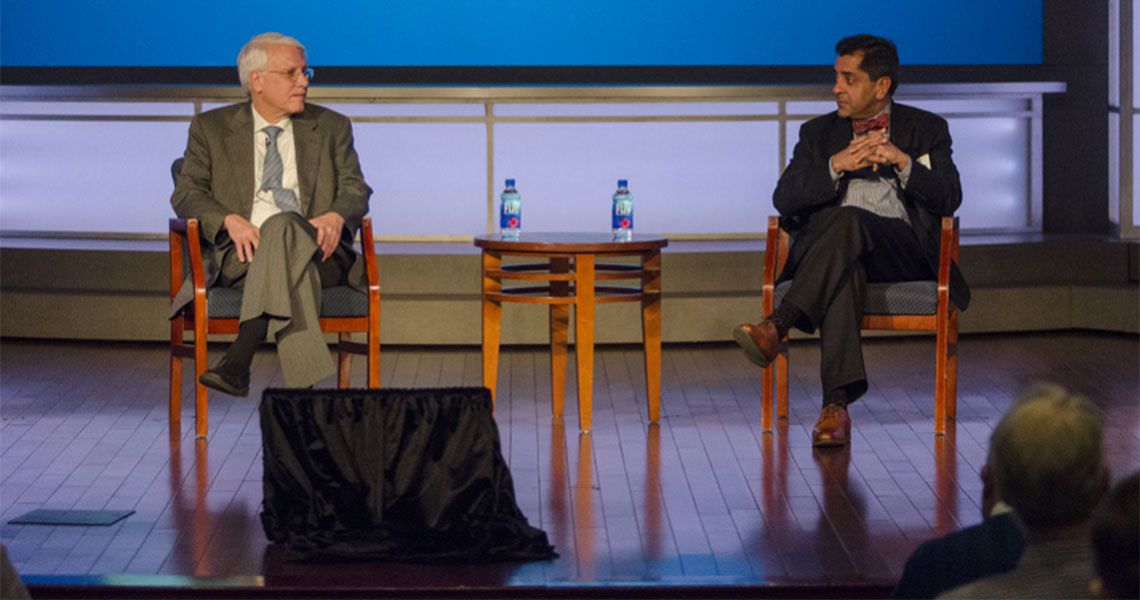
(410, 475)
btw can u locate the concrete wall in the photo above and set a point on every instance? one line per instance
(430, 294)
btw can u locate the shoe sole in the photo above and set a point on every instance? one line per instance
(828, 443)
(751, 350)
(214, 382)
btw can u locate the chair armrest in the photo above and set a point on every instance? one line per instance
(177, 238)
(947, 250)
(186, 231)
(368, 249)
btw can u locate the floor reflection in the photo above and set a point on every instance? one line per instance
(188, 505)
(653, 526)
(946, 479)
(585, 526)
(841, 532)
(578, 523)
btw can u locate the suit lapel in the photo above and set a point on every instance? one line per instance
(307, 143)
(239, 155)
(839, 135)
(902, 129)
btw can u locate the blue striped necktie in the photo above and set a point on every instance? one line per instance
(272, 171)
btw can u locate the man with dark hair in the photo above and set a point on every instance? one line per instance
(276, 185)
(863, 196)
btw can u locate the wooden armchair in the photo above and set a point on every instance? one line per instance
(344, 310)
(903, 306)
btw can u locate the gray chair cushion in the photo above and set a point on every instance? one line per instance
(340, 301)
(902, 298)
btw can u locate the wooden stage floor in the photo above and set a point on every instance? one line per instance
(702, 505)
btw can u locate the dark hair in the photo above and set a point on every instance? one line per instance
(1116, 546)
(880, 57)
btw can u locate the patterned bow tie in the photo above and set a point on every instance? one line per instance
(862, 126)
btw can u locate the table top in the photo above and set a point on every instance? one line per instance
(543, 241)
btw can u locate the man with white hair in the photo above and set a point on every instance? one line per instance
(1047, 460)
(276, 185)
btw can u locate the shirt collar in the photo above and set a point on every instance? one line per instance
(260, 123)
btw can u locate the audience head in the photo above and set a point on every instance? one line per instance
(1047, 459)
(255, 54)
(1116, 541)
(880, 58)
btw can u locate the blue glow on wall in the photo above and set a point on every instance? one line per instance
(410, 33)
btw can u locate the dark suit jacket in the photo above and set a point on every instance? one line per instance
(940, 565)
(217, 178)
(805, 192)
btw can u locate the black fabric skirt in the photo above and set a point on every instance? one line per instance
(409, 475)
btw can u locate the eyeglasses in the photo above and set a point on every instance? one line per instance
(293, 74)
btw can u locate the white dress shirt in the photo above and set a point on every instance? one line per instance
(263, 204)
(878, 194)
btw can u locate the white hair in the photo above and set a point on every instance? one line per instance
(1047, 457)
(254, 54)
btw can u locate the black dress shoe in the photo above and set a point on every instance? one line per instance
(227, 379)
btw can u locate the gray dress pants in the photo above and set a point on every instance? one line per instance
(283, 282)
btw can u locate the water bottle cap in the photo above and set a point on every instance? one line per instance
(510, 183)
(623, 183)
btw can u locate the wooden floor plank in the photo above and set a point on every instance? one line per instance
(702, 497)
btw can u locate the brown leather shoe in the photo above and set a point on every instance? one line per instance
(760, 342)
(833, 427)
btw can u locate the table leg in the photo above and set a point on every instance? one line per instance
(492, 319)
(651, 330)
(559, 328)
(584, 336)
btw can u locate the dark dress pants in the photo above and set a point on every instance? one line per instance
(851, 248)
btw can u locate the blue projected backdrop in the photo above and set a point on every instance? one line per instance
(498, 33)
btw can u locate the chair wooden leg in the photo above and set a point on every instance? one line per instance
(175, 402)
(374, 345)
(374, 360)
(343, 362)
(941, 348)
(201, 399)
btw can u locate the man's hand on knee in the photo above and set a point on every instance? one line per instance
(245, 235)
(329, 226)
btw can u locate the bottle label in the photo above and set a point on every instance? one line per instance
(623, 214)
(509, 217)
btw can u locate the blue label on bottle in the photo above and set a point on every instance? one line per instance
(623, 214)
(509, 214)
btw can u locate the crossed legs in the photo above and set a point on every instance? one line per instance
(281, 294)
(827, 292)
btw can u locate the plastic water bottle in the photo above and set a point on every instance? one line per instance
(510, 212)
(623, 212)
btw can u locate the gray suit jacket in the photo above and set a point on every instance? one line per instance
(217, 179)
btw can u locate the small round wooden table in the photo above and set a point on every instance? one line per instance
(565, 276)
